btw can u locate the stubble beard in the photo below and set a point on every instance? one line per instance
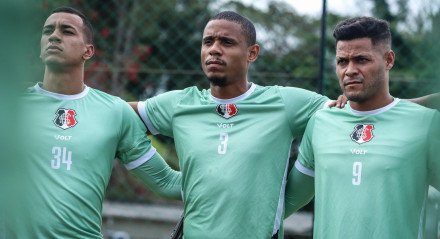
(217, 81)
(368, 92)
(357, 97)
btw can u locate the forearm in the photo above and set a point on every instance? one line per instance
(300, 190)
(160, 177)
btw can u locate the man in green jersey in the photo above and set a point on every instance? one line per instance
(73, 134)
(371, 163)
(234, 139)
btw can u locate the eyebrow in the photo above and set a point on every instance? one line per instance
(63, 26)
(221, 38)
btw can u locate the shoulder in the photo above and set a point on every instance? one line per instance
(28, 90)
(328, 115)
(327, 111)
(98, 94)
(288, 92)
(414, 109)
(299, 94)
(103, 100)
(294, 90)
(179, 95)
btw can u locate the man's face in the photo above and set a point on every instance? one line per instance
(362, 69)
(224, 53)
(63, 41)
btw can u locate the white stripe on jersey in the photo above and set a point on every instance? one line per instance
(144, 117)
(138, 162)
(303, 169)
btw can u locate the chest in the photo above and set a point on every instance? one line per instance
(370, 148)
(243, 128)
(70, 136)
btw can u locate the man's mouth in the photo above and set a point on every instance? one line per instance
(53, 48)
(215, 62)
(352, 82)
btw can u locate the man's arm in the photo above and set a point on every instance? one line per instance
(160, 177)
(300, 190)
(430, 101)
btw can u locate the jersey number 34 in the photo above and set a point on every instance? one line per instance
(60, 155)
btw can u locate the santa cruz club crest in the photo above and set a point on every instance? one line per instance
(227, 110)
(362, 133)
(65, 118)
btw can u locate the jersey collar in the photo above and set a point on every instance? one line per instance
(39, 89)
(235, 99)
(376, 111)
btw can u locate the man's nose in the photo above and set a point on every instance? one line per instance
(215, 49)
(54, 37)
(351, 69)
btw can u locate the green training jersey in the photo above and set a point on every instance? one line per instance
(233, 154)
(372, 170)
(69, 154)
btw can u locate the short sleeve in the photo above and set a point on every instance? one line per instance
(134, 147)
(300, 106)
(158, 112)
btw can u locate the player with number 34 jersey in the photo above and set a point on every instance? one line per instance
(69, 154)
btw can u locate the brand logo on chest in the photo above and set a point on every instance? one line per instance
(227, 110)
(362, 133)
(65, 118)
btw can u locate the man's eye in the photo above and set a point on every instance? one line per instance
(341, 61)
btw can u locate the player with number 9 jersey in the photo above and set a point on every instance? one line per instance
(372, 169)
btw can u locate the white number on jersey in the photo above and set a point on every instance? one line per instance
(61, 155)
(223, 143)
(357, 173)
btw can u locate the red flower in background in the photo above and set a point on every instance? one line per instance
(142, 52)
(133, 71)
(105, 32)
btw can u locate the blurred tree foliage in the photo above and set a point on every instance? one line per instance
(147, 47)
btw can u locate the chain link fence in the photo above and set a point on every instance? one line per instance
(144, 48)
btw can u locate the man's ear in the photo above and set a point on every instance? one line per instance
(90, 50)
(253, 52)
(389, 58)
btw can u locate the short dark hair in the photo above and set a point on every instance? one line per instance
(88, 29)
(377, 30)
(247, 26)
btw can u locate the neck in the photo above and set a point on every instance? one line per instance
(229, 91)
(67, 82)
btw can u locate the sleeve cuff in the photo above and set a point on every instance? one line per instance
(144, 117)
(303, 169)
(143, 159)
